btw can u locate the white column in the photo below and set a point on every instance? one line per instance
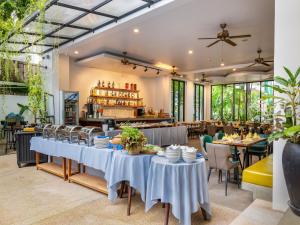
(287, 53)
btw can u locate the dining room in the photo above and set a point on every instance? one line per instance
(151, 112)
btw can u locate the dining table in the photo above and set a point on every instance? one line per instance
(240, 143)
(181, 187)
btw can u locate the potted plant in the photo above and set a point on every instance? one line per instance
(133, 140)
(289, 101)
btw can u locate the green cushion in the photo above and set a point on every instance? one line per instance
(207, 139)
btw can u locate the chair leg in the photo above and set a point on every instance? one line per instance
(209, 172)
(240, 162)
(226, 182)
(238, 178)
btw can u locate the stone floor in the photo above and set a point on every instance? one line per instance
(28, 196)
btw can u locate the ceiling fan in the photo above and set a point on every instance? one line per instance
(204, 80)
(174, 73)
(260, 60)
(225, 37)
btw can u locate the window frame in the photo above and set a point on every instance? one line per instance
(233, 108)
(179, 99)
(201, 102)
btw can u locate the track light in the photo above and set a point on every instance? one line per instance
(134, 67)
(145, 70)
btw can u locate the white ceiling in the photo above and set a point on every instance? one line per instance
(167, 33)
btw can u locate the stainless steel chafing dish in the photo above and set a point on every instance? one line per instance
(87, 135)
(51, 131)
(69, 133)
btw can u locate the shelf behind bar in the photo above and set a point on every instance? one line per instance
(116, 89)
(116, 97)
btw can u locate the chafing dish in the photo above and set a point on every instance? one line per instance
(69, 133)
(87, 135)
(51, 131)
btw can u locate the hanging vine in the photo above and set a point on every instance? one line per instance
(13, 14)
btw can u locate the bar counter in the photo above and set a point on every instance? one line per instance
(100, 121)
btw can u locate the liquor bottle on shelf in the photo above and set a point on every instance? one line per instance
(113, 84)
(108, 84)
(103, 84)
(99, 84)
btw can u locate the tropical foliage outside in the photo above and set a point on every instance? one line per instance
(241, 102)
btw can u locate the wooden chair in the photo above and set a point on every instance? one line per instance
(228, 129)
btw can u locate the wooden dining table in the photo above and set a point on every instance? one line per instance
(245, 143)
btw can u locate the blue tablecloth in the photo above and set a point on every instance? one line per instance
(182, 185)
(132, 168)
(96, 158)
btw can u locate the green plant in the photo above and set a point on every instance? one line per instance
(23, 108)
(289, 101)
(132, 138)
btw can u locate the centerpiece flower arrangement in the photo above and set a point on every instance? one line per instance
(133, 140)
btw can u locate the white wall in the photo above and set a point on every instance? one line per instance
(153, 90)
(9, 104)
(287, 53)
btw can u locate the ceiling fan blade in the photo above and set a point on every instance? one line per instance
(240, 36)
(265, 64)
(212, 43)
(228, 41)
(206, 38)
(268, 60)
(251, 65)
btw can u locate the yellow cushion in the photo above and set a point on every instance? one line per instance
(260, 173)
(28, 129)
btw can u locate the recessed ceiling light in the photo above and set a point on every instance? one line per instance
(76, 52)
(136, 30)
(222, 64)
(234, 69)
(196, 79)
(191, 52)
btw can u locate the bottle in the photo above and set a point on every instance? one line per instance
(103, 84)
(113, 84)
(108, 84)
(99, 84)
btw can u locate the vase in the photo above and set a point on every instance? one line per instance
(291, 170)
(134, 149)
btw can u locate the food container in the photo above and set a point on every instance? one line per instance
(101, 141)
(87, 134)
(69, 133)
(189, 154)
(51, 131)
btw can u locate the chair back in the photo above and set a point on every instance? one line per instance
(211, 130)
(228, 130)
(218, 156)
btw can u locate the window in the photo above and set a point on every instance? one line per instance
(216, 102)
(242, 101)
(199, 102)
(228, 102)
(267, 105)
(253, 101)
(178, 99)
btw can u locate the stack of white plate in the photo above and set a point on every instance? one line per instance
(101, 141)
(189, 154)
(173, 153)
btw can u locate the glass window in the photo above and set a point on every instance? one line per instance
(240, 102)
(253, 101)
(216, 102)
(178, 99)
(199, 102)
(267, 105)
(228, 102)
